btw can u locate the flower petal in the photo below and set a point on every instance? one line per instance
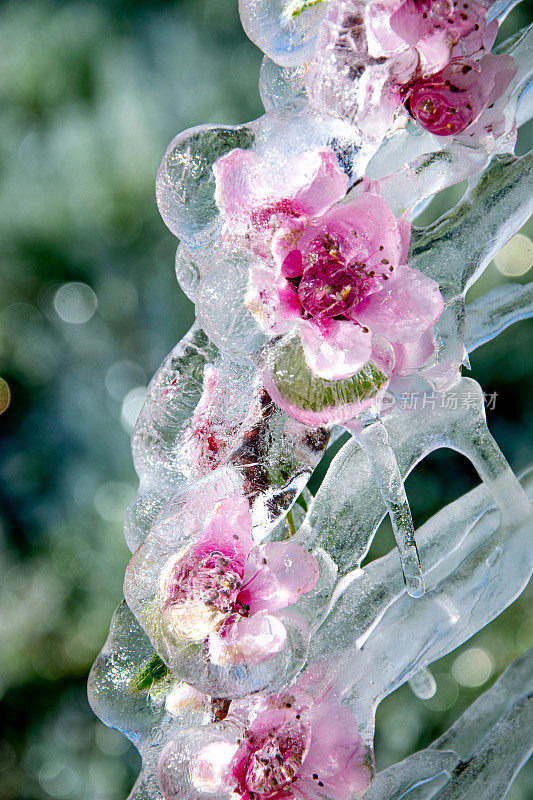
(310, 182)
(337, 753)
(275, 575)
(320, 180)
(335, 350)
(405, 308)
(211, 765)
(247, 640)
(229, 530)
(412, 355)
(375, 227)
(234, 192)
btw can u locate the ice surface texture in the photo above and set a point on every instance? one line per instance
(253, 649)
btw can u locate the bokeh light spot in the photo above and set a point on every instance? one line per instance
(75, 302)
(111, 500)
(131, 406)
(58, 779)
(5, 395)
(446, 694)
(111, 741)
(516, 258)
(122, 377)
(473, 667)
(423, 684)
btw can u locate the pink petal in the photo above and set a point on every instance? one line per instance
(320, 181)
(292, 264)
(235, 189)
(380, 15)
(334, 740)
(376, 228)
(497, 72)
(289, 571)
(313, 181)
(405, 308)
(435, 52)
(247, 640)
(210, 767)
(412, 355)
(336, 753)
(289, 307)
(335, 350)
(229, 530)
(408, 23)
(285, 240)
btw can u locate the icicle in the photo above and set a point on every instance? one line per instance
(374, 440)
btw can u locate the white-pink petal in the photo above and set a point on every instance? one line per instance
(410, 356)
(406, 306)
(247, 640)
(276, 574)
(318, 180)
(336, 350)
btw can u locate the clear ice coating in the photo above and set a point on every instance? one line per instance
(253, 649)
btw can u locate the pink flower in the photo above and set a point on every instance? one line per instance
(331, 272)
(296, 746)
(267, 202)
(448, 102)
(437, 31)
(449, 80)
(222, 591)
(343, 286)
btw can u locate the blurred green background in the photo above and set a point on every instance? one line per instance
(90, 95)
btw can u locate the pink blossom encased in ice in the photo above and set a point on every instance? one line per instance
(448, 102)
(332, 270)
(344, 283)
(224, 591)
(259, 201)
(437, 30)
(449, 78)
(300, 743)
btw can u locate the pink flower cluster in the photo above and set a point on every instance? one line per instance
(298, 744)
(440, 66)
(223, 591)
(330, 266)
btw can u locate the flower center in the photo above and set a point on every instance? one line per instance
(213, 580)
(328, 289)
(440, 106)
(268, 215)
(276, 764)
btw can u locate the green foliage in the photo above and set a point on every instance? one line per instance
(153, 672)
(297, 383)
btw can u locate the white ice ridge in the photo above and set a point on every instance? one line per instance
(493, 312)
(479, 756)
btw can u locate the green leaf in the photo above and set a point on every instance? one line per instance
(300, 386)
(297, 7)
(154, 671)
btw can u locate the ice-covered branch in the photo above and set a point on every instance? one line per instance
(459, 245)
(253, 644)
(493, 312)
(479, 755)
